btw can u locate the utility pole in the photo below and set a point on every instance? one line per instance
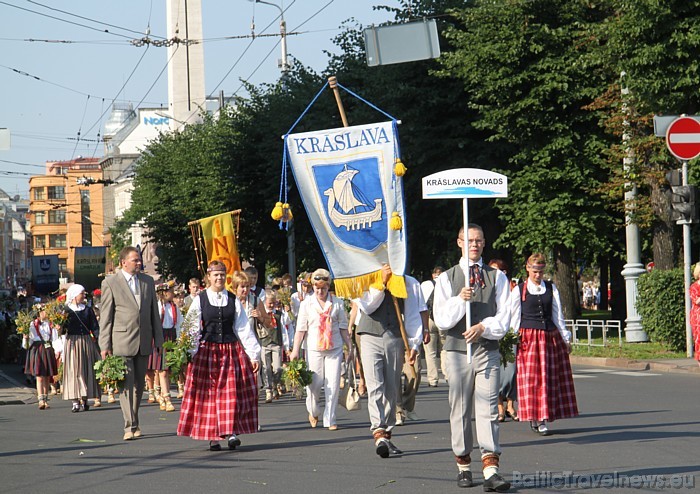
(634, 267)
(284, 67)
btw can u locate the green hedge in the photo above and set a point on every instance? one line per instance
(661, 304)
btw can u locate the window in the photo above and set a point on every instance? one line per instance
(62, 266)
(86, 229)
(40, 217)
(57, 216)
(57, 240)
(57, 192)
(39, 242)
(39, 194)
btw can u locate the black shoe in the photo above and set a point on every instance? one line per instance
(393, 449)
(76, 407)
(496, 483)
(383, 448)
(214, 446)
(464, 479)
(85, 406)
(233, 441)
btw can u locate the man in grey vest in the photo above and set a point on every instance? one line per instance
(476, 383)
(382, 353)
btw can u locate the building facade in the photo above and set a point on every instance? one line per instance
(66, 210)
(14, 241)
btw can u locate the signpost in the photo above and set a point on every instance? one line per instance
(683, 141)
(683, 138)
(465, 183)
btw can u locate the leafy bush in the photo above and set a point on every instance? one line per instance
(661, 304)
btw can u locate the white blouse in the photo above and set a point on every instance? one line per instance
(242, 326)
(310, 317)
(557, 313)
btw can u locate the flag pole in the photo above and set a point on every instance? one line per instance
(333, 83)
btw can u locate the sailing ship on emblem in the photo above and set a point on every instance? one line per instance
(344, 207)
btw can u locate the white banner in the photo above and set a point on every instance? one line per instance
(347, 183)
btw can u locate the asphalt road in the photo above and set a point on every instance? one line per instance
(635, 427)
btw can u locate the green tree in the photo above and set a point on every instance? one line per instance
(524, 68)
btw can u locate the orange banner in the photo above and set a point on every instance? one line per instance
(220, 241)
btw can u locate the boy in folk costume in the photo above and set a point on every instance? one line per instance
(382, 352)
(473, 384)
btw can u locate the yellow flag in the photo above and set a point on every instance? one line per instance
(220, 241)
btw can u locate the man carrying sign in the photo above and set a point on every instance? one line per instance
(477, 382)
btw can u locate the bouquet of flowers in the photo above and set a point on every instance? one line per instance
(57, 313)
(284, 296)
(505, 346)
(297, 376)
(111, 371)
(179, 352)
(23, 320)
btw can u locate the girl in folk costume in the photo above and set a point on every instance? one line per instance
(43, 343)
(80, 352)
(171, 319)
(545, 381)
(221, 394)
(323, 322)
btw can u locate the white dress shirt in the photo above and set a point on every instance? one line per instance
(448, 310)
(242, 326)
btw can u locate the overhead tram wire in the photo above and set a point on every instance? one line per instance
(22, 164)
(77, 141)
(32, 76)
(65, 20)
(247, 48)
(99, 120)
(93, 20)
(278, 42)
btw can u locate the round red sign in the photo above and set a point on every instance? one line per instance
(683, 138)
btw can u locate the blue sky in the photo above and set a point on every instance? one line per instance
(79, 79)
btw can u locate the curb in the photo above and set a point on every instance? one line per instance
(610, 362)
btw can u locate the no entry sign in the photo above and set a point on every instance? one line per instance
(683, 138)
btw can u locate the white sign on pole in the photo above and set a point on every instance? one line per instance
(464, 183)
(4, 139)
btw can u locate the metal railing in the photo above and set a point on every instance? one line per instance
(588, 327)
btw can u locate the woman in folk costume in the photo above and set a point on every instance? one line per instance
(221, 394)
(80, 351)
(545, 381)
(323, 321)
(170, 318)
(43, 343)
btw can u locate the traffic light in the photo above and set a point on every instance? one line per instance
(683, 203)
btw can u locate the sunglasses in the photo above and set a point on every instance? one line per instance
(320, 278)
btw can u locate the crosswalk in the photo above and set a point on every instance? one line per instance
(593, 373)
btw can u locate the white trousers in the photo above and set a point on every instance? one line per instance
(326, 368)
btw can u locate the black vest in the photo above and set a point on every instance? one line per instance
(383, 319)
(482, 305)
(536, 310)
(218, 322)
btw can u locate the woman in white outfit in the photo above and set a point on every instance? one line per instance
(323, 322)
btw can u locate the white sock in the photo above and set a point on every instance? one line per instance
(490, 472)
(464, 468)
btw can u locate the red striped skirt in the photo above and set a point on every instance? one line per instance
(156, 360)
(221, 395)
(545, 381)
(41, 361)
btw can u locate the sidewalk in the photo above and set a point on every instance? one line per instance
(14, 389)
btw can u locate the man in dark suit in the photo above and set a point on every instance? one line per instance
(129, 326)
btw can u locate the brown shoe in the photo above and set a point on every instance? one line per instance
(313, 421)
(129, 436)
(169, 407)
(333, 428)
(137, 432)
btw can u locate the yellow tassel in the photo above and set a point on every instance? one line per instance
(287, 210)
(399, 168)
(354, 287)
(277, 212)
(395, 223)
